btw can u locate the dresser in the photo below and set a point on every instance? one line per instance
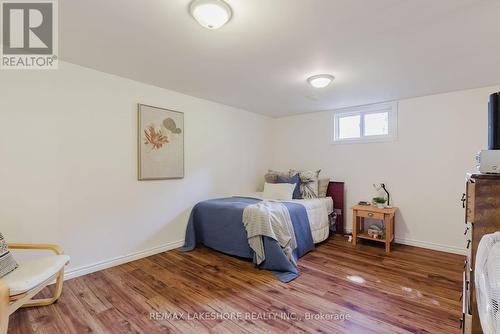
(482, 216)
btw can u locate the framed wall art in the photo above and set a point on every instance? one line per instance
(160, 143)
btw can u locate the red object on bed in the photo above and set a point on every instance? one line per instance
(335, 190)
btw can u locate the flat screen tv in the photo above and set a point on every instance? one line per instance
(494, 122)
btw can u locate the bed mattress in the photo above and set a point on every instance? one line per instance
(318, 210)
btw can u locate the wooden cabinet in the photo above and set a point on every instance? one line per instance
(482, 216)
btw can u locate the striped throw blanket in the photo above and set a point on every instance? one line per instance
(7, 262)
(270, 219)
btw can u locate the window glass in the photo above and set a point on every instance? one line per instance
(376, 124)
(349, 127)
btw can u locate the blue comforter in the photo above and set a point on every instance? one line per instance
(218, 224)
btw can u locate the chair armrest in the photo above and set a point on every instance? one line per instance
(55, 248)
(4, 296)
(3, 287)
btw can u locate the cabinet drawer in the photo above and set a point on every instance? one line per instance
(371, 215)
(467, 270)
(465, 295)
(470, 202)
(467, 324)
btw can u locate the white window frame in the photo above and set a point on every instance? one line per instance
(391, 108)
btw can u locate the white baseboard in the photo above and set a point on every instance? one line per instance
(433, 246)
(428, 245)
(84, 270)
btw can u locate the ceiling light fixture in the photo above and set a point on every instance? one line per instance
(320, 80)
(211, 14)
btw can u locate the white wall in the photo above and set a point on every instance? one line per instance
(424, 169)
(68, 163)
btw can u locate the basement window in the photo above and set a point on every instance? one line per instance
(371, 123)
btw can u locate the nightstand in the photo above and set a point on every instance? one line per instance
(387, 215)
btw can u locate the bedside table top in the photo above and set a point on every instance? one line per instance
(373, 208)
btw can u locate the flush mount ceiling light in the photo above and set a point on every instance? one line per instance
(320, 80)
(211, 14)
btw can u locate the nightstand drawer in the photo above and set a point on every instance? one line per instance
(372, 215)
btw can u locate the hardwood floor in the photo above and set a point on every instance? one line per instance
(412, 290)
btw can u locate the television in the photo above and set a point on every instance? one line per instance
(494, 122)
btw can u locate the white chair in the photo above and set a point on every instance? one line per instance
(18, 288)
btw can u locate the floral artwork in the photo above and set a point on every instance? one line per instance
(161, 143)
(154, 138)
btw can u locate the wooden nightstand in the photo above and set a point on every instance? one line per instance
(360, 212)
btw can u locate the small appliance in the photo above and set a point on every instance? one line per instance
(488, 161)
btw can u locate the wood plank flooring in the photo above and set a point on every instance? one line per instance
(341, 289)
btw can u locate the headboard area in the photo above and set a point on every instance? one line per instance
(336, 190)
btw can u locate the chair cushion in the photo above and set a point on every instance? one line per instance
(31, 274)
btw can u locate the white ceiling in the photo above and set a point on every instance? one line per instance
(378, 50)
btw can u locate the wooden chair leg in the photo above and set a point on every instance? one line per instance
(4, 308)
(54, 298)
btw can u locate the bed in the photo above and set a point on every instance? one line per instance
(318, 211)
(218, 224)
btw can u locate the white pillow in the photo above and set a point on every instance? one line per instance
(278, 191)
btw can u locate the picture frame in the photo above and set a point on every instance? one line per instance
(160, 143)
